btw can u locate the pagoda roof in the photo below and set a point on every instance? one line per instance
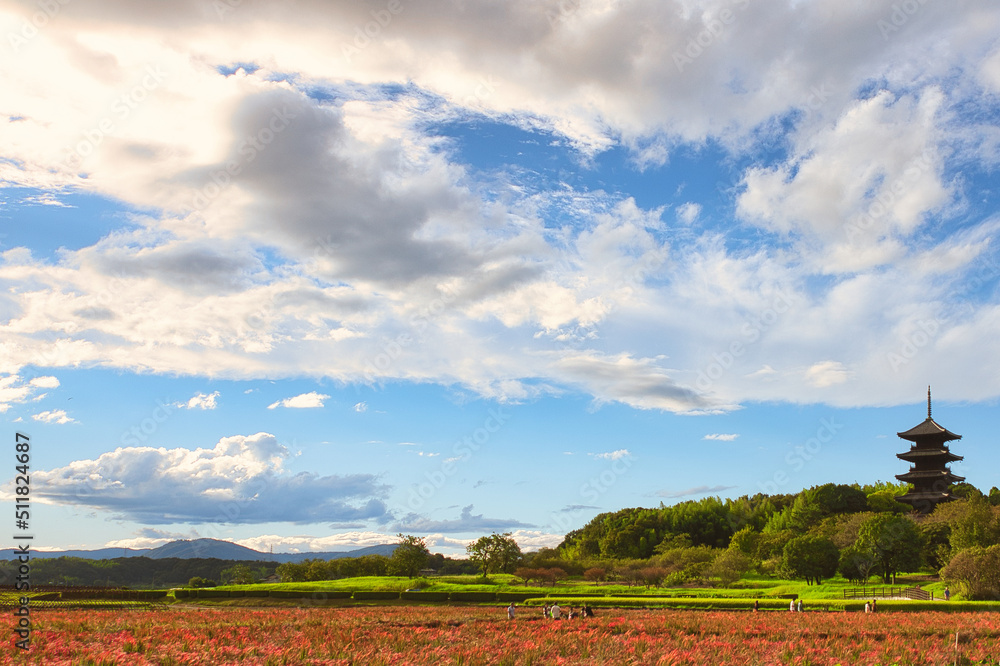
(929, 428)
(923, 495)
(915, 454)
(915, 474)
(925, 501)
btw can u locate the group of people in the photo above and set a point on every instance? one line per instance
(554, 612)
(871, 606)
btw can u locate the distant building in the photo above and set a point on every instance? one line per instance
(929, 457)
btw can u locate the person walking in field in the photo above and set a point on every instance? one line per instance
(874, 605)
(791, 605)
(554, 611)
(545, 612)
(799, 607)
(947, 594)
(868, 607)
(756, 605)
(510, 611)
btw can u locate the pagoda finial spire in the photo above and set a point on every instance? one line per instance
(928, 401)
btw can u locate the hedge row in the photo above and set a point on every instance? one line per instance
(375, 596)
(622, 601)
(125, 595)
(424, 596)
(515, 596)
(704, 603)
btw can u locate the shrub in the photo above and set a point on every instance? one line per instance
(516, 596)
(211, 594)
(424, 596)
(375, 596)
(976, 572)
(473, 596)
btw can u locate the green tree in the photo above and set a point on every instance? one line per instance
(729, 566)
(976, 572)
(746, 541)
(977, 525)
(410, 556)
(833, 498)
(372, 565)
(856, 564)
(238, 574)
(894, 541)
(496, 553)
(291, 572)
(198, 581)
(811, 557)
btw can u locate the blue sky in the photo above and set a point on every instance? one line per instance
(305, 275)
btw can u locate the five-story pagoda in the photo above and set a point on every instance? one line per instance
(929, 457)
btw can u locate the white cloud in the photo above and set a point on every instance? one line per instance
(688, 212)
(240, 480)
(311, 400)
(361, 407)
(721, 437)
(310, 544)
(200, 401)
(14, 390)
(827, 373)
(53, 416)
(543, 287)
(613, 455)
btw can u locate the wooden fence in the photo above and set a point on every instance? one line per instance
(888, 592)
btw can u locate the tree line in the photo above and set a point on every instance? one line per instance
(856, 531)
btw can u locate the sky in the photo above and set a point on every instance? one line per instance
(304, 275)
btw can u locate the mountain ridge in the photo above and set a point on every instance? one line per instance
(213, 548)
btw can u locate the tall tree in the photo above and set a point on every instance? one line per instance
(894, 541)
(496, 553)
(811, 557)
(410, 556)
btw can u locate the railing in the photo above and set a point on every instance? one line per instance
(888, 592)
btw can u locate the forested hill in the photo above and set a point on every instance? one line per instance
(636, 533)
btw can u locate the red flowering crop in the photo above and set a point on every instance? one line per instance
(482, 635)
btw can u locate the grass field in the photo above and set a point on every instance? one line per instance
(747, 588)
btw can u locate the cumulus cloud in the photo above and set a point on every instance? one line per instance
(387, 229)
(240, 480)
(613, 455)
(311, 400)
(58, 416)
(344, 541)
(14, 390)
(200, 401)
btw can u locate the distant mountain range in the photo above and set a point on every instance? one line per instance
(211, 548)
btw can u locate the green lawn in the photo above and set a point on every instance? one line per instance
(752, 587)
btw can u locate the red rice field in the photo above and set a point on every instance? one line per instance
(481, 635)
